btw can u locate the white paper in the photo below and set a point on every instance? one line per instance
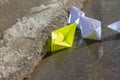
(74, 15)
(90, 28)
(115, 26)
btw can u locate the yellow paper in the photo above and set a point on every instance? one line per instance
(63, 37)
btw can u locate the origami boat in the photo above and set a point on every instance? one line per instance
(115, 26)
(90, 28)
(74, 15)
(63, 38)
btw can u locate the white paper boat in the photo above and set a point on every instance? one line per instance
(90, 28)
(115, 26)
(74, 15)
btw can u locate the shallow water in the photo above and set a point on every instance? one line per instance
(87, 60)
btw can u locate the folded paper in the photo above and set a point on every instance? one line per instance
(90, 28)
(115, 26)
(74, 15)
(63, 37)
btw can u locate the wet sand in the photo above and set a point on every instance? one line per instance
(87, 60)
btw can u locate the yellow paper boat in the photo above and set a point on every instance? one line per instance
(63, 37)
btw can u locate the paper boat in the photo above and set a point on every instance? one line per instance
(90, 28)
(115, 26)
(63, 37)
(74, 15)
